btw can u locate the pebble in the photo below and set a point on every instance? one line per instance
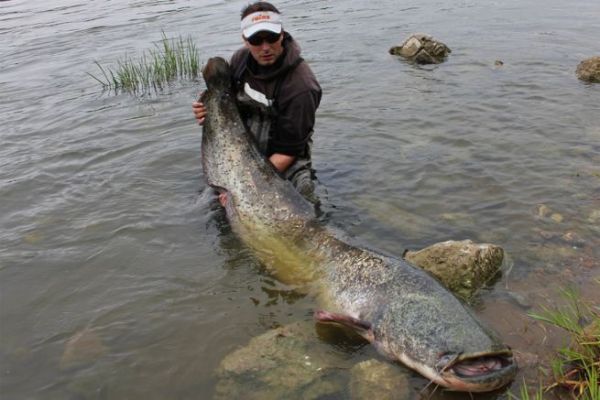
(542, 210)
(594, 216)
(573, 238)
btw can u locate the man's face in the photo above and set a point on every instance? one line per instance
(265, 47)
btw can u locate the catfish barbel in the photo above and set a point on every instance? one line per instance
(404, 312)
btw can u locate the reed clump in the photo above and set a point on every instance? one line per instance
(575, 369)
(171, 59)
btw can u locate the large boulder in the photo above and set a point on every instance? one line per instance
(422, 49)
(589, 70)
(462, 266)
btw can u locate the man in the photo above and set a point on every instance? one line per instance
(277, 93)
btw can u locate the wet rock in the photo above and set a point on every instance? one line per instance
(573, 238)
(288, 362)
(407, 223)
(462, 266)
(498, 63)
(373, 379)
(525, 359)
(589, 70)
(84, 347)
(458, 219)
(292, 362)
(520, 299)
(553, 256)
(548, 235)
(542, 211)
(569, 237)
(422, 49)
(594, 216)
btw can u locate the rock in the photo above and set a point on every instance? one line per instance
(462, 266)
(548, 235)
(373, 379)
(556, 217)
(292, 362)
(589, 70)
(422, 49)
(498, 63)
(288, 362)
(542, 211)
(569, 237)
(521, 299)
(594, 216)
(573, 238)
(525, 359)
(84, 347)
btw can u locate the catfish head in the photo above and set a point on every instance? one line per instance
(454, 351)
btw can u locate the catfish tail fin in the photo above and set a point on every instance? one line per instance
(217, 74)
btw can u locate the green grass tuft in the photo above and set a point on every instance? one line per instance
(170, 59)
(576, 367)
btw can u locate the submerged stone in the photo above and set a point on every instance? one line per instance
(542, 210)
(573, 238)
(462, 266)
(294, 362)
(84, 347)
(594, 216)
(422, 49)
(288, 362)
(589, 70)
(374, 379)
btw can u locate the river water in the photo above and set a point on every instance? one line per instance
(110, 241)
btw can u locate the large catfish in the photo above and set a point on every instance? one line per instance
(404, 312)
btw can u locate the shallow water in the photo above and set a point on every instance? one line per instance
(107, 228)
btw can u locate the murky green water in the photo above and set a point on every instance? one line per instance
(109, 238)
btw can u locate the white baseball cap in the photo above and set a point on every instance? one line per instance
(261, 21)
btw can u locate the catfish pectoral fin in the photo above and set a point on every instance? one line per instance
(363, 328)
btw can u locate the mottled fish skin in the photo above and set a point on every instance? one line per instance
(412, 318)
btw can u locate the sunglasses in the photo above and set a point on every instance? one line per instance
(258, 38)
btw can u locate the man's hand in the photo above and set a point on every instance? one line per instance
(281, 162)
(199, 112)
(223, 199)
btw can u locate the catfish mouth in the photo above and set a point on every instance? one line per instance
(480, 373)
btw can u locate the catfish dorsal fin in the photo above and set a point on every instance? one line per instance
(363, 328)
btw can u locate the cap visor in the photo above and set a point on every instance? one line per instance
(263, 26)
